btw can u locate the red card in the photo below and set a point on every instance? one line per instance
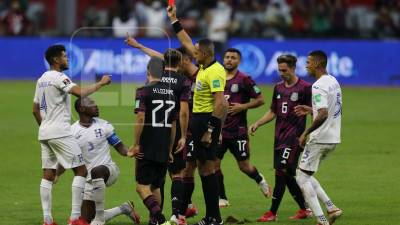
(171, 2)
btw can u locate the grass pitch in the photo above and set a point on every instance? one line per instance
(361, 176)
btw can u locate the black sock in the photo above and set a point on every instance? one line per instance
(176, 196)
(221, 185)
(255, 175)
(211, 196)
(155, 211)
(279, 190)
(295, 191)
(162, 194)
(188, 188)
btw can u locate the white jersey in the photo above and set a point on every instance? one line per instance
(94, 142)
(326, 93)
(52, 94)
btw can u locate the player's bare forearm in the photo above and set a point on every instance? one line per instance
(88, 90)
(36, 113)
(139, 127)
(184, 118)
(268, 117)
(150, 52)
(121, 149)
(220, 106)
(318, 121)
(255, 103)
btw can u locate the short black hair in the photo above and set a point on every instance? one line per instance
(290, 60)
(184, 52)
(155, 67)
(320, 56)
(206, 45)
(172, 57)
(235, 50)
(53, 51)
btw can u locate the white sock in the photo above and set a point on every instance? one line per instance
(45, 197)
(111, 213)
(309, 193)
(322, 195)
(99, 188)
(78, 186)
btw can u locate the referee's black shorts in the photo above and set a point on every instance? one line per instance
(199, 125)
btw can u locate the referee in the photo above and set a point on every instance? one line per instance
(209, 111)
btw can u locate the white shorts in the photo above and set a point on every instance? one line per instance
(114, 173)
(64, 150)
(313, 154)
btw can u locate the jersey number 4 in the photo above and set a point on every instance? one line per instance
(160, 104)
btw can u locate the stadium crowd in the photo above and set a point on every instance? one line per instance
(219, 20)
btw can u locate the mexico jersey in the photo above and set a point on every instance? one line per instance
(52, 94)
(158, 103)
(239, 89)
(326, 93)
(180, 84)
(289, 126)
(95, 141)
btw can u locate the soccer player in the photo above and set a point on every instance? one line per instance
(154, 137)
(94, 136)
(187, 68)
(181, 86)
(51, 109)
(324, 135)
(288, 93)
(209, 111)
(239, 90)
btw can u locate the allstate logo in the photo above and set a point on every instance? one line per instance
(253, 59)
(76, 59)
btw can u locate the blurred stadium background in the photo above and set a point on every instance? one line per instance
(361, 38)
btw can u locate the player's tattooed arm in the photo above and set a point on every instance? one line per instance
(183, 37)
(148, 51)
(134, 150)
(85, 91)
(317, 122)
(268, 117)
(36, 113)
(235, 108)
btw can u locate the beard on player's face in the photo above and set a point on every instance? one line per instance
(229, 67)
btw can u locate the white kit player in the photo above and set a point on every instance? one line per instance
(51, 109)
(94, 136)
(324, 135)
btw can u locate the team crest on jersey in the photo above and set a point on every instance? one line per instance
(235, 88)
(294, 96)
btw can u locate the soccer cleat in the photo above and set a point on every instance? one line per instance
(191, 211)
(203, 221)
(96, 222)
(334, 215)
(301, 214)
(323, 223)
(79, 221)
(53, 223)
(128, 208)
(223, 203)
(213, 221)
(266, 190)
(180, 220)
(166, 223)
(267, 217)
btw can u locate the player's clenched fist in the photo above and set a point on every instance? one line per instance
(131, 41)
(253, 128)
(105, 80)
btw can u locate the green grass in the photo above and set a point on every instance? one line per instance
(361, 176)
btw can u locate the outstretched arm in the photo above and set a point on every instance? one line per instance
(183, 37)
(148, 51)
(85, 91)
(268, 117)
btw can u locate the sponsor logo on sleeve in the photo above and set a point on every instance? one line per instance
(216, 84)
(256, 89)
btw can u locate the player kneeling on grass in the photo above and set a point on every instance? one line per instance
(94, 136)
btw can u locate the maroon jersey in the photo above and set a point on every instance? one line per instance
(288, 126)
(158, 103)
(239, 89)
(192, 80)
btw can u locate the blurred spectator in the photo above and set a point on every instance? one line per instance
(155, 18)
(219, 23)
(14, 21)
(321, 21)
(385, 26)
(300, 18)
(277, 19)
(124, 23)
